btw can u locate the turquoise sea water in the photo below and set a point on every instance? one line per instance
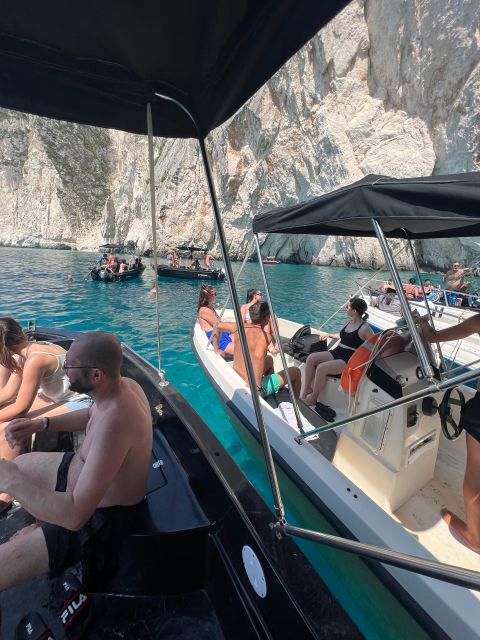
(35, 286)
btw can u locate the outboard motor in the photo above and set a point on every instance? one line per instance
(391, 455)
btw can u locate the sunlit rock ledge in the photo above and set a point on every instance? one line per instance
(389, 87)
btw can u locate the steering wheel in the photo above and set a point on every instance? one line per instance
(445, 412)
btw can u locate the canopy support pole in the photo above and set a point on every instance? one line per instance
(417, 271)
(279, 508)
(272, 474)
(151, 167)
(276, 331)
(407, 312)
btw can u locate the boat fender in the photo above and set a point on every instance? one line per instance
(33, 627)
(76, 608)
(355, 367)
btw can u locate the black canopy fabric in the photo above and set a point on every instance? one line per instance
(430, 207)
(99, 62)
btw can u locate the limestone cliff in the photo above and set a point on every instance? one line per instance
(390, 87)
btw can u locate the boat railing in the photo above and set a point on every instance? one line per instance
(411, 397)
(445, 296)
(431, 568)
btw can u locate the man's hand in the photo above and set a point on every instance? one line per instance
(21, 429)
(426, 330)
(323, 336)
(7, 471)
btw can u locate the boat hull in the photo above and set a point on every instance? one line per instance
(352, 511)
(189, 563)
(190, 274)
(131, 274)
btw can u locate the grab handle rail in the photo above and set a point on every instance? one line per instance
(431, 568)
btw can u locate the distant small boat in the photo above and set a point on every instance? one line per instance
(99, 274)
(165, 271)
(270, 260)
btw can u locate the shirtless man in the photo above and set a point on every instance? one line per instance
(258, 339)
(469, 531)
(102, 485)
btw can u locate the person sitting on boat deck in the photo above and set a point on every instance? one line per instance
(469, 531)
(85, 500)
(453, 281)
(32, 378)
(431, 292)
(319, 365)
(208, 318)
(389, 301)
(258, 338)
(254, 296)
(412, 290)
(123, 266)
(113, 265)
(194, 264)
(207, 260)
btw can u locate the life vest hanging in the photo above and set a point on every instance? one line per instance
(356, 364)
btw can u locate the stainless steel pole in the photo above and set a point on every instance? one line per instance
(431, 568)
(435, 388)
(422, 356)
(417, 271)
(279, 508)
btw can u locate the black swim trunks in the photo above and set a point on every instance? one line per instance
(105, 530)
(470, 419)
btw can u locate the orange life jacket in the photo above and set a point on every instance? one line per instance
(356, 364)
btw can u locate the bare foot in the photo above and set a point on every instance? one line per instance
(459, 529)
(310, 400)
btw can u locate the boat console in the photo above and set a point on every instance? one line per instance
(391, 455)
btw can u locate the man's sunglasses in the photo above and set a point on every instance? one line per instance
(66, 366)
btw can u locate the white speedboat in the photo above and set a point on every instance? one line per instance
(390, 464)
(464, 352)
(384, 479)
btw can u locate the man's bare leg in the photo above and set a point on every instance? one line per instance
(23, 558)
(469, 532)
(25, 555)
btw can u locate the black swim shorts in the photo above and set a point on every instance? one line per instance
(105, 529)
(470, 419)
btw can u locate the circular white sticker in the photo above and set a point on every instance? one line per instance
(254, 571)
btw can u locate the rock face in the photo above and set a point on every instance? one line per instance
(389, 87)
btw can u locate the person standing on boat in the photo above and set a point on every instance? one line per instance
(208, 259)
(320, 365)
(469, 531)
(32, 378)
(208, 319)
(453, 281)
(259, 337)
(85, 500)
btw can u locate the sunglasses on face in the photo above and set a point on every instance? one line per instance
(66, 366)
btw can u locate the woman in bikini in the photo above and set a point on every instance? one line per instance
(27, 370)
(319, 365)
(208, 318)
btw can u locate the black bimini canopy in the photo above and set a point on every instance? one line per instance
(430, 207)
(100, 62)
